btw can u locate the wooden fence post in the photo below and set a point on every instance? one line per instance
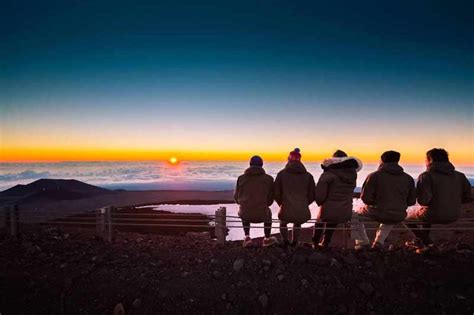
(14, 220)
(100, 222)
(110, 230)
(221, 229)
(3, 218)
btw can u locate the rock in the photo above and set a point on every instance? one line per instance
(334, 263)
(119, 310)
(280, 277)
(217, 274)
(350, 259)
(163, 293)
(317, 259)
(137, 303)
(238, 265)
(267, 262)
(263, 300)
(299, 259)
(304, 282)
(266, 268)
(63, 265)
(366, 288)
(214, 261)
(460, 297)
(224, 296)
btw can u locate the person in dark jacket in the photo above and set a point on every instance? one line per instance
(387, 193)
(440, 192)
(254, 194)
(294, 192)
(334, 194)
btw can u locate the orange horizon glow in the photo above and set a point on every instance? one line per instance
(107, 155)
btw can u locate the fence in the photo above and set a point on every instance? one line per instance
(107, 219)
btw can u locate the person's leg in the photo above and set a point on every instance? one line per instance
(426, 233)
(296, 233)
(267, 228)
(246, 226)
(382, 233)
(358, 231)
(327, 234)
(318, 231)
(284, 231)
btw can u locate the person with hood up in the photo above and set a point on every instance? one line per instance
(387, 193)
(254, 195)
(440, 192)
(334, 194)
(294, 192)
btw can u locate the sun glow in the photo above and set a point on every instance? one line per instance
(173, 160)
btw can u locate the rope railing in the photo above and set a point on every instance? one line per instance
(106, 218)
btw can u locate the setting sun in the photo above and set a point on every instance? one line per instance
(173, 160)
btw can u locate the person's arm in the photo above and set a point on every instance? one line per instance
(321, 191)
(277, 189)
(311, 189)
(424, 192)
(368, 194)
(466, 191)
(270, 192)
(411, 200)
(236, 191)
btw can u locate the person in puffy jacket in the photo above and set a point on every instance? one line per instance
(334, 194)
(254, 195)
(440, 191)
(387, 193)
(294, 192)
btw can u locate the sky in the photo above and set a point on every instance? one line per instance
(223, 80)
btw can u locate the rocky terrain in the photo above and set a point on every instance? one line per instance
(53, 271)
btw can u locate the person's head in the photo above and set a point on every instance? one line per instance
(339, 154)
(390, 157)
(256, 161)
(436, 155)
(295, 155)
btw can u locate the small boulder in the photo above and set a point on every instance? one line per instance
(238, 265)
(263, 300)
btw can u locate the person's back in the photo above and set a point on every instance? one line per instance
(388, 192)
(334, 194)
(254, 194)
(441, 190)
(294, 191)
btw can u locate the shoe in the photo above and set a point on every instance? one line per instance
(247, 242)
(269, 241)
(416, 243)
(376, 247)
(293, 243)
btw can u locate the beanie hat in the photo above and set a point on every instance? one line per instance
(390, 157)
(256, 161)
(295, 155)
(339, 154)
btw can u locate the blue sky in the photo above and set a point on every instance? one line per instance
(251, 68)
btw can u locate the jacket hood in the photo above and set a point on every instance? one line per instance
(342, 162)
(295, 167)
(347, 175)
(391, 168)
(441, 167)
(255, 170)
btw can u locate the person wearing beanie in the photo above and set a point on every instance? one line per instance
(254, 195)
(441, 191)
(386, 193)
(334, 194)
(294, 192)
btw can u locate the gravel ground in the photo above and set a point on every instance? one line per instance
(54, 271)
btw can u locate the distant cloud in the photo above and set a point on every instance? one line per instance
(28, 174)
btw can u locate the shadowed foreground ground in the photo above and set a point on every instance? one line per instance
(50, 271)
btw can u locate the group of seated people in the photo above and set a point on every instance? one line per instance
(387, 193)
